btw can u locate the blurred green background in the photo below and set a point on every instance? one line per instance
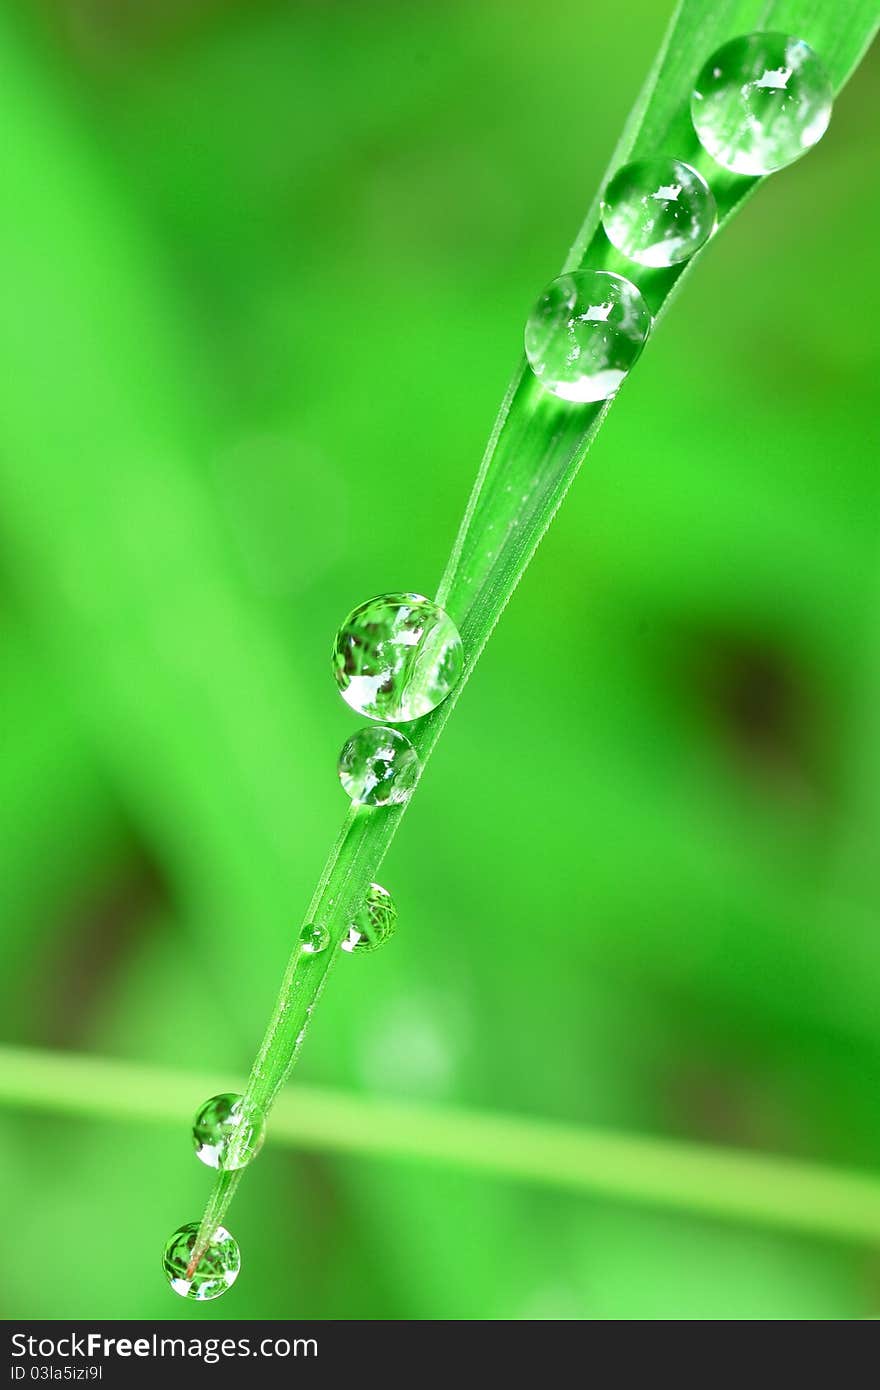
(263, 272)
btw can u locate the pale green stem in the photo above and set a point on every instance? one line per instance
(767, 1191)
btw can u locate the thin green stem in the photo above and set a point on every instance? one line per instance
(767, 1191)
(333, 904)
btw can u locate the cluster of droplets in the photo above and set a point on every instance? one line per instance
(227, 1134)
(371, 926)
(759, 103)
(395, 659)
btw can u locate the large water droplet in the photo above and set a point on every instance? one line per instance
(760, 102)
(225, 1135)
(314, 938)
(397, 657)
(585, 333)
(374, 923)
(216, 1271)
(379, 767)
(658, 211)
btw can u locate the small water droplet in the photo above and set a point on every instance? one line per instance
(760, 102)
(397, 657)
(216, 1271)
(374, 923)
(314, 938)
(658, 211)
(224, 1135)
(585, 333)
(378, 767)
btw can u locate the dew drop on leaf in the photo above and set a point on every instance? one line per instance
(378, 767)
(585, 333)
(224, 1135)
(658, 211)
(397, 657)
(314, 938)
(760, 102)
(216, 1271)
(374, 923)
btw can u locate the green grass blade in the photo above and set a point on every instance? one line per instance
(536, 448)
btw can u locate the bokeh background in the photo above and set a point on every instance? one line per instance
(263, 271)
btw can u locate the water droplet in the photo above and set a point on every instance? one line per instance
(374, 923)
(585, 333)
(314, 938)
(760, 102)
(397, 657)
(658, 211)
(379, 767)
(215, 1272)
(224, 1135)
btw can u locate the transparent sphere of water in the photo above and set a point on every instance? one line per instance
(658, 211)
(225, 1135)
(374, 923)
(760, 102)
(397, 657)
(216, 1271)
(585, 333)
(314, 938)
(378, 767)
